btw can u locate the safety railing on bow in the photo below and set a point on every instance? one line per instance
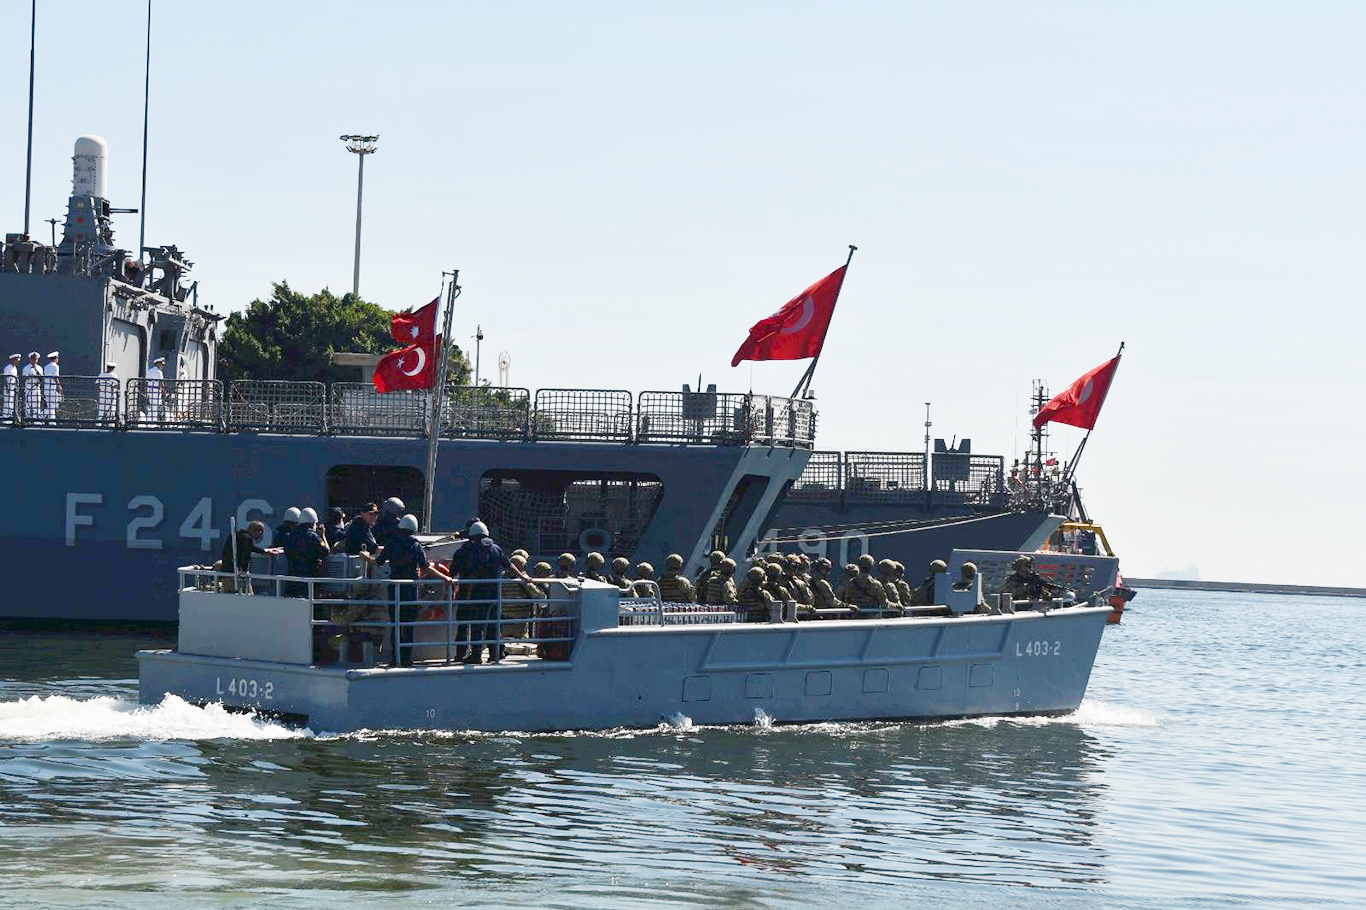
(64, 401)
(699, 417)
(394, 622)
(358, 410)
(650, 611)
(974, 480)
(603, 414)
(277, 406)
(173, 404)
(782, 421)
(487, 412)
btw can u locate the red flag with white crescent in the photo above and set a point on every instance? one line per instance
(796, 331)
(417, 326)
(413, 367)
(1079, 405)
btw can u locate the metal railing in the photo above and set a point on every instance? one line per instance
(173, 404)
(700, 417)
(821, 478)
(486, 412)
(64, 401)
(972, 479)
(583, 414)
(358, 410)
(650, 611)
(884, 476)
(277, 406)
(410, 622)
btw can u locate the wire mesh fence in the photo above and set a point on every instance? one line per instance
(977, 480)
(820, 479)
(582, 414)
(64, 401)
(884, 476)
(716, 418)
(487, 412)
(173, 404)
(359, 410)
(782, 421)
(277, 406)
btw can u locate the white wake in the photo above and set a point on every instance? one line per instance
(56, 717)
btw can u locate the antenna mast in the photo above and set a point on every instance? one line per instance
(146, 109)
(28, 168)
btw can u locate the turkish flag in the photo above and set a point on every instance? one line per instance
(416, 327)
(798, 329)
(413, 367)
(1079, 406)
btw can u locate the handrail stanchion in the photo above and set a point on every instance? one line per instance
(497, 654)
(450, 612)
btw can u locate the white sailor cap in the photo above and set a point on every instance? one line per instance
(54, 354)
(16, 357)
(110, 365)
(158, 360)
(32, 354)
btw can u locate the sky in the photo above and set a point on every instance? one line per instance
(627, 187)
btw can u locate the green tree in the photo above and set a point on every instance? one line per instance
(293, 335)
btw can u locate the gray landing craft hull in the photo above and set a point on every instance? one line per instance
(901, 531)
(902, 669)
(96, 522)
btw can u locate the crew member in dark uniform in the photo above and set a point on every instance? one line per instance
(482, 560)
(334, 532)
(360, 534)
(305, 553)
(407, 560)
(286, 527)
(248, 539)
(387, 527)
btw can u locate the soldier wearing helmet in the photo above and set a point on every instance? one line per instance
(480, 564)
(621, 566)
(821, 591)
(719, 589)
(593, 564)
(305, 552)
(644, 584)
(865, 591)
(886, 576)
(903, 587)
(775, 582)
(713, 563)
(520, 599)
(753, 597)
(407, 560)
(674, 588)
(924, 592)
(564, 566)
(1026, 584)
(386, 528)
(796, 582)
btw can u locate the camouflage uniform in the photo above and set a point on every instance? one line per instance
(565, 565)
(823, 595)
(886, 576)
(593, 565)
(847, 588)
(924, 593)
(903, 587)
(673, 587)
(773, 583)
(753, 597)
(864, 589)
(620, 566)
(1026, 584)
(518, 602)
(719, 590)
(644, 585)
(797, 584)
(714, 560)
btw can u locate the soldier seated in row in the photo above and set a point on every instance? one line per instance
(593, 565)
(821, 589)
(644, 584)
(967, 580)
(886, 576)
(718, 586)
(564, 565)
(713, 563)
(621, 567)
(752, 596)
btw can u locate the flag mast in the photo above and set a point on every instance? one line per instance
(1076, 456)
(811, 370)
(438, 396)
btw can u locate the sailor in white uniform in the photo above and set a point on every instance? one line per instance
(11, 386)
(154, 389)
(52, 386)
(108, 386)
(33, 388)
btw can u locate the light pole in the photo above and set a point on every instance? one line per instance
(360, 146)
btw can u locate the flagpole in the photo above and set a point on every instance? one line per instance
(438, 398)
(811, 370)
(1076, 456)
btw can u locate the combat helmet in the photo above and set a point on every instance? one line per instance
(866, 562)
(645, 571)
(673, 562)
(594, 561)
(621, 565)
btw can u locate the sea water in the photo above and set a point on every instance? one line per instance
(1217, 761)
